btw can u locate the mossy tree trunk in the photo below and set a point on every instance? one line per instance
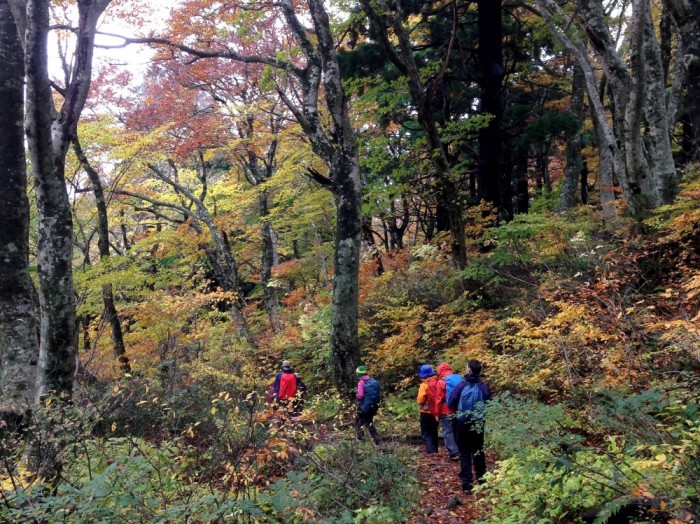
(19, 345)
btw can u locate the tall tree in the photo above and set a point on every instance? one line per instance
(492, 186)
(19, 345)
(49, 134)
(609, 155)
(110, 311)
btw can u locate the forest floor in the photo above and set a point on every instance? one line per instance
(441, 498)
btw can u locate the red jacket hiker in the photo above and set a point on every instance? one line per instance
(287, 384)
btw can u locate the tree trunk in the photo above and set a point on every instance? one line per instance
(522, 181)
(574, 162)
(490, 173)
(267, 262)
(371, 248)
(686, 14)
(648, 179)
(49, 134)
(344, 168)
(344, 319)
(57, 358)
(110, 311)
(584, 183)
(222, 255)
(658, 137)
(19, 346)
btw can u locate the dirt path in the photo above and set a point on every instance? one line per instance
(441, 499)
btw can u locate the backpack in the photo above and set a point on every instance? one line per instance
(288, 386)
(370, 402)
(451, 382)
(436, 397)
(471, 404)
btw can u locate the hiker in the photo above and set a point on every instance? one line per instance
(286, 387)
(428, 422)
(368, 397)
(468, 400)
(447, 381)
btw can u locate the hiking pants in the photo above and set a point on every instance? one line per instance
(429, 432)
(363, 419)
(448, 435)
(471, 451)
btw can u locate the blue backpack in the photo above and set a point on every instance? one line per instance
(451, 382)
(471, 404)
(370, 402)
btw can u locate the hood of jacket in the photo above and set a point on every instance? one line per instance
(444, 369)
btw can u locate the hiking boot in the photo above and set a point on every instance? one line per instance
(453, 457)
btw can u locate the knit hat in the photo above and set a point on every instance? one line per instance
(286, 364)
(361, 371)
(426, 371)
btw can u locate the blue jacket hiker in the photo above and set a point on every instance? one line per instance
(467, 399)
(447, 381)
(368, 397)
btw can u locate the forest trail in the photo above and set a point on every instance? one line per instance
(441, 499)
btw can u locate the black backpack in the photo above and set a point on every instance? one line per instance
(370, 402)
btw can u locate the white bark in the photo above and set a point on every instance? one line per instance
(649, 178)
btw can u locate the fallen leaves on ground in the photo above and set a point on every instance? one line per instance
(441, 498)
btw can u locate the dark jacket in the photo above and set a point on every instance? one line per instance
(453, 401)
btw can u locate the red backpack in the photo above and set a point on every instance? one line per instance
(436, 397)
(288, 386)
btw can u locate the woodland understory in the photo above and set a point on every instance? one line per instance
(343, 183)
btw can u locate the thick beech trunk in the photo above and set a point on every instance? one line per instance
(110, 311)
(19, 346)
(658, 137)
(648, 179)
(58, 335)
(49, 134)
(344, 168)
(345, 318)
